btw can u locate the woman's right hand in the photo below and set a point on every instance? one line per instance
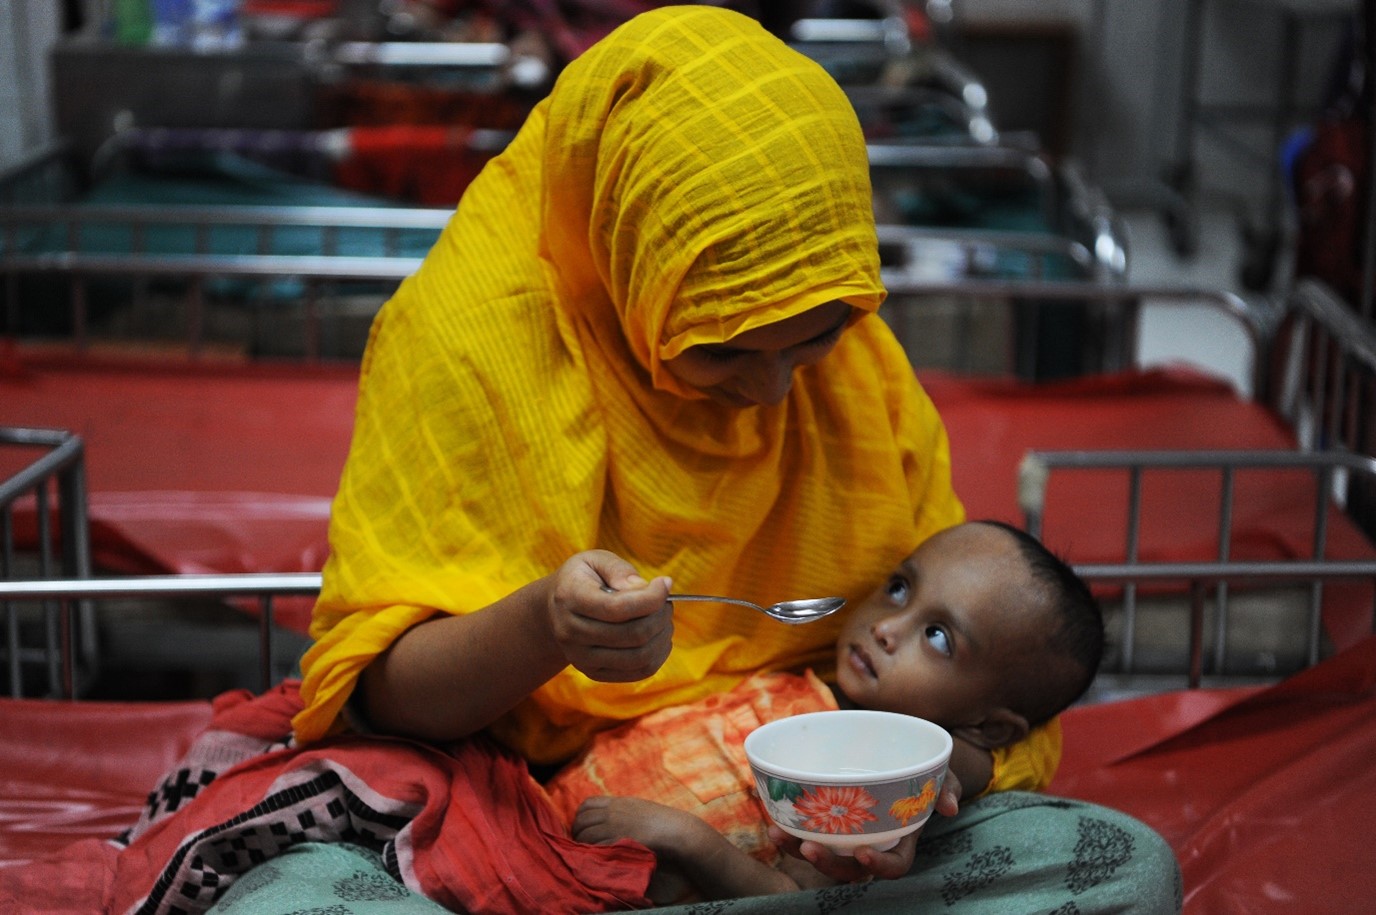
(618, 636)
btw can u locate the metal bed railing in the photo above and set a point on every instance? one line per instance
(1038, 466)
(254, 227)
(54, 484)
(82, 245)
(65, 595)
(257, 228)
(883, 70)
(265, 587)
(1116, 306)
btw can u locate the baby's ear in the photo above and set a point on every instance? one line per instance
(1002, 727)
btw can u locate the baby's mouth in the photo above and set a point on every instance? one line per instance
(860, 660)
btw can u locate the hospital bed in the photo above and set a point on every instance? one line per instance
(240, 257)
(1260, 780)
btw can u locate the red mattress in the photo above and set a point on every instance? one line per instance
(1266, 795)
(230, 467)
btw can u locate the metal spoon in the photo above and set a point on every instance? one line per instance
(788, 611)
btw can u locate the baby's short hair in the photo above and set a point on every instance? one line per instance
(1078, 640)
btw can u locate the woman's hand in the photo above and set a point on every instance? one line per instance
(618, 636)
(868, 863)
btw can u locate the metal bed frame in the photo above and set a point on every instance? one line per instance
(1087, 236)
(56, 483)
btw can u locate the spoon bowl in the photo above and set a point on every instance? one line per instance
(787, 611)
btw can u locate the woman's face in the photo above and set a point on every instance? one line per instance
(756, 367)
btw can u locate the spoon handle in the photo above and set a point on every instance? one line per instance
(707, 597)
(715, 600)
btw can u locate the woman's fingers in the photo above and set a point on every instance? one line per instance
(611, 623)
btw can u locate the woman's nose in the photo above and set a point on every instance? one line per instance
(769, 380)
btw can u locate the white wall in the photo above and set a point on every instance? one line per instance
(1130, 69)
(27, 29)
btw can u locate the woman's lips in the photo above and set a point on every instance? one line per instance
(860, 660)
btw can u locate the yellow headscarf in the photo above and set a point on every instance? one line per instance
(688, 178)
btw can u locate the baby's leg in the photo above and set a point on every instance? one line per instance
(664, 830)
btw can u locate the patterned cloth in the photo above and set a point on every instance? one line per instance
(469, 829)
(687, 179)
(1008, 854)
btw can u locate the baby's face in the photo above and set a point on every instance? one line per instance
(936, 640)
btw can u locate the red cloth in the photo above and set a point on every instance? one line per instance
(73, 770)
(195, 467)
(469, 829)
(426, 164)
(1267, 796)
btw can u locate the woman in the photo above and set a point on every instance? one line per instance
(648, 330)
(644, 353)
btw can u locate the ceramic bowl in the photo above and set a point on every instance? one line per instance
(850, 777)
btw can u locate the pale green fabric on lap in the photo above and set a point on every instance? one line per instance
(318, 879)
(1013, 853)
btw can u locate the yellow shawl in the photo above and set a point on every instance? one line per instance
(688, 178)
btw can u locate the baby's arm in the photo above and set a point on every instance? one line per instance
(973, 766)
(715, 867)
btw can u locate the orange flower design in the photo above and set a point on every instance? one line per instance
(836, 810)
(905, 808)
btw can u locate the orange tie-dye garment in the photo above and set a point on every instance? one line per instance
(692, 757)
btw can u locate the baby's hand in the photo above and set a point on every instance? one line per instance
(617, 636)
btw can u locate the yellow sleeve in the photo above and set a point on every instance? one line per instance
(1030, 764)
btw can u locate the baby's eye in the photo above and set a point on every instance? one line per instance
(897, 590)
(939, 639)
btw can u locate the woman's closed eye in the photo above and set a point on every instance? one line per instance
(824, 339)
(724, 354)
(721, 353)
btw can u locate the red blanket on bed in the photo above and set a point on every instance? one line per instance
(470, 828)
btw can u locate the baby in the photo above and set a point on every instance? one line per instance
(981, 629)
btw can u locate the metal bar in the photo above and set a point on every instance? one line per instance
(267, 216)
(68, 664)
(1205, 460)
(265, 652)
(251, 584)
(185, 265)
(1133, 547)
(1325, 483)
(66, 450)
(476, 54)
(246, 584)
(1281, 570)
(11, 612)
(51, 624)
(1196, 643)
(1225, 538)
